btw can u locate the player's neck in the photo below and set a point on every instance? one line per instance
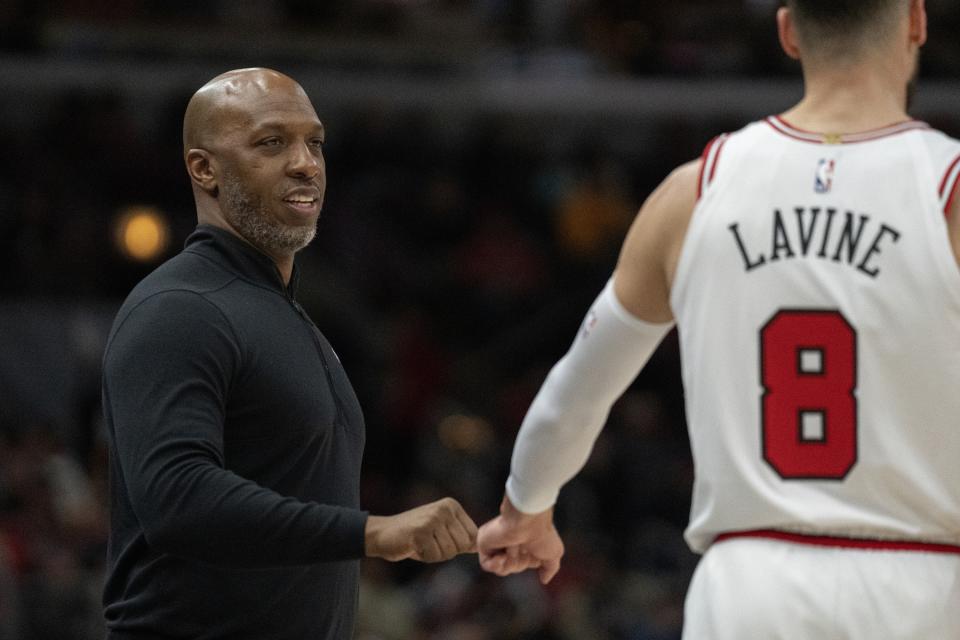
(850, 100)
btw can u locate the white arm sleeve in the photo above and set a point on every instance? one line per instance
(566, 417)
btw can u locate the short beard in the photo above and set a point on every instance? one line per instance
(246, 213)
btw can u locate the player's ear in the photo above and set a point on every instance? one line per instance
(200, 167)
(787, 30)
(918, 22)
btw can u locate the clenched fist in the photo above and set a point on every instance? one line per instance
(432, 533)
(515, 541)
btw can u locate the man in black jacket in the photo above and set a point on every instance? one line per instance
(235, 435)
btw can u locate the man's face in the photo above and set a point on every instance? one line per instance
(273, 175)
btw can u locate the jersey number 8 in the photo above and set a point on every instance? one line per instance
(808, 368)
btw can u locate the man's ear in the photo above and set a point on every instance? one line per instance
(202, 171)
(918, 22)
(787, 30)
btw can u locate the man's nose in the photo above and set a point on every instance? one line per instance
(305, 162)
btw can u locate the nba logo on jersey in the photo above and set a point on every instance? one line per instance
(824, 181)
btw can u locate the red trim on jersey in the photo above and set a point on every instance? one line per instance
(708, 163)
(953, 188)
(946, 176)
(783, 127)
(703, 166)
(781, 121)
(716, 159)
(838, 541)
(949, 205)
(902, 123)
(818, 140)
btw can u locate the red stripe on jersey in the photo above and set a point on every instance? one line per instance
(782, 126)
(949, 206)
(703, 166)
(953, 187)
(780, 120)
(838, 541)
(946, 176)
(890, 129)
(885, 133)
(777, 125)
(716, 159)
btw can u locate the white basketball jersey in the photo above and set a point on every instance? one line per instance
(818, 304)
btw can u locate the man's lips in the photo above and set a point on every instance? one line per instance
(306, 200)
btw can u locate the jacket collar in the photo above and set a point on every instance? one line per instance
(241, 257)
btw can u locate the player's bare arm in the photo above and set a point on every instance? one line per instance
(652, 248)
(620, 333)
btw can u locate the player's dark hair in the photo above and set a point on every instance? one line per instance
(848, 13)
(845, 20)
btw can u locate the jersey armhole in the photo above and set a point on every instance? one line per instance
(948, 186)
(708, 164)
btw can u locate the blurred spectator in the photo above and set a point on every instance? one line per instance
(594, 215)
(10, 607)
(54, 523)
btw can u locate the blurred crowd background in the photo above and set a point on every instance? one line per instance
(485, 158)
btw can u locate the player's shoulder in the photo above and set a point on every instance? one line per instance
(684, 177)
(676, 194)
(185, 272)
(684, 185)
(667, 210)
(176, 292)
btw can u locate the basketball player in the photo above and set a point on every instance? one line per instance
(809, 262)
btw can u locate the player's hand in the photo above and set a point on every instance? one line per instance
(515, 541)
(432, 533)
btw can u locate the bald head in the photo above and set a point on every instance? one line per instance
(227, 101)
(253, 148)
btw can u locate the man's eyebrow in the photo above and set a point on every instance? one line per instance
(282, 125)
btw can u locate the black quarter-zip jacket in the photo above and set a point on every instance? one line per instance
(235, 448)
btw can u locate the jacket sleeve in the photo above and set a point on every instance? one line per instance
(167, 373)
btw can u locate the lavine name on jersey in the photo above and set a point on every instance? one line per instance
(821, 232)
